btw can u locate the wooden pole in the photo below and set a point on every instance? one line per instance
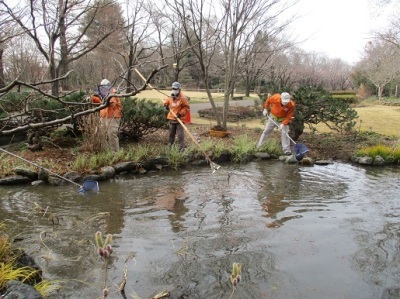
(213, 166)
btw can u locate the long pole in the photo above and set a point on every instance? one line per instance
(278, 127)
(213, 166)
(34, 164)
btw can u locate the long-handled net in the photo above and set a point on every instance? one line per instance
(300, 149)
(87, 185)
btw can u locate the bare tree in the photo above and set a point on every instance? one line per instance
(242, 20)
(52, 25)
(201, 30)
(380, 65)
(391, 35)
(7, 33)
(258, 56)
(22, 61)
(137, 31)
(337, 74)
(106, 58)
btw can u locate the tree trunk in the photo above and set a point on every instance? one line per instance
(379, 92)
(63, 65)
(2, 81)
(130, 70)
(53, 75)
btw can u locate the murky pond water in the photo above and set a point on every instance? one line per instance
(299, 232)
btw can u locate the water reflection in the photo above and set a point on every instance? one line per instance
(172, 198)
(280, 185)
(336, 232)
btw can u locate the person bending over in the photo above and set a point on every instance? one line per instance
(280, 110)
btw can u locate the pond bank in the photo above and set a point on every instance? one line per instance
(323, 147)
(28, 176)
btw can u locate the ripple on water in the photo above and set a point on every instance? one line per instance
(300, 232)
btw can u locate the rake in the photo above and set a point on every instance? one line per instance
(213, 165)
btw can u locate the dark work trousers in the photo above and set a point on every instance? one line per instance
(176, 128)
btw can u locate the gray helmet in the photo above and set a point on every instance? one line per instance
(176, 85)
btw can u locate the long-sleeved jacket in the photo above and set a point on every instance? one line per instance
(179, 106)
(114, 110)
(283, 113)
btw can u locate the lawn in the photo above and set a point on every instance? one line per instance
(374, 117)
(195, 96)
(378, 118)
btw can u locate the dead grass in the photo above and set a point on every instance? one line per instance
(195, 96)
(378, 118)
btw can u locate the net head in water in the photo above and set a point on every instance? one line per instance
(89, 186)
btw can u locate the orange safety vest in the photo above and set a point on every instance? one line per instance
(281, 112)
(114, 110)
(179, 106)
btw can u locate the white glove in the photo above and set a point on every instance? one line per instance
(265, 112)
(280, 128)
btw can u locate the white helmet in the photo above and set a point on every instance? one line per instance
(105, 82)
(285, 98)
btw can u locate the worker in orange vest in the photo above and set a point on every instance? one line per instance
(110, 116)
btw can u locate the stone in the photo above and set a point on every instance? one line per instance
(73, 176)
(15, 180)
(124, 166)
(291, 159)
(94, 177)
(43, 175)
(365, 160)
(18, 290)
(32, 175)
(108, 171)
(323, 162)
(261, 155)
(379, 161)
(55, 181)
(307, 161)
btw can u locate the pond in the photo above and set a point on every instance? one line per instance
(298, 232)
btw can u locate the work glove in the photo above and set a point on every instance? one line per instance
(265, 112)
(166, 108)
(281, 127)
(178, 115)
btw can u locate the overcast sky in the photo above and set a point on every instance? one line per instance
(337, 28)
